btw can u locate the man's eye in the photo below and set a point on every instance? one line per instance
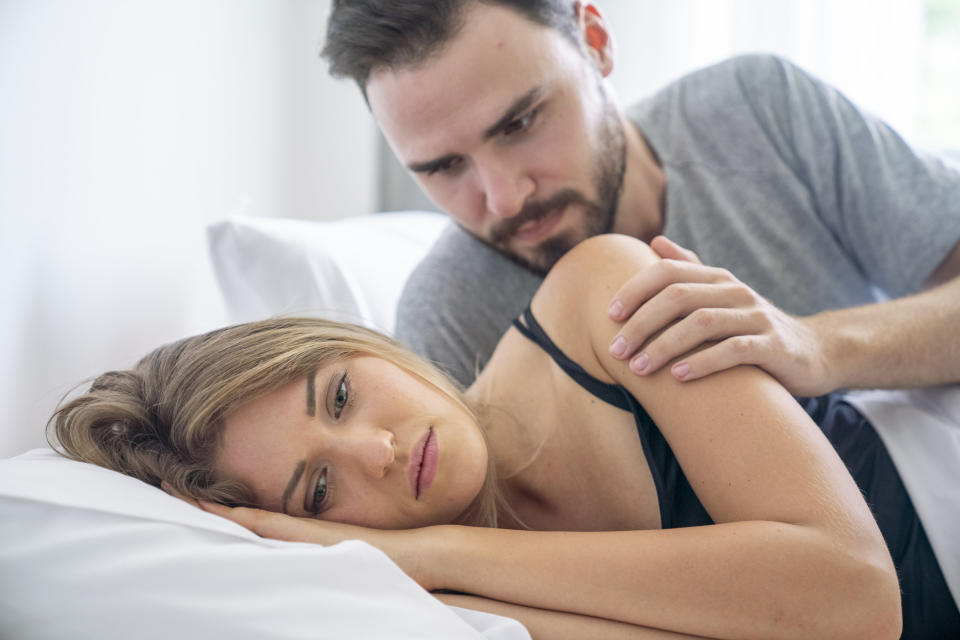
(520, 124)
(445, 167)
(342, 397)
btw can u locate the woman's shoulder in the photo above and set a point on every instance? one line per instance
(571, 304)
(601, 262)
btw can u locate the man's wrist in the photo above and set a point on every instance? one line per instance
(841, 349)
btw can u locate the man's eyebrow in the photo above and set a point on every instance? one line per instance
(519, 105)
(294, 481)
(431, 165)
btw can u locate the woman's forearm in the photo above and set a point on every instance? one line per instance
(560, 625)
(744, 579)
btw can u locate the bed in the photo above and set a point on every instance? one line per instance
(90, 553)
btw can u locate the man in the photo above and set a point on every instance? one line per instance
(501, 111)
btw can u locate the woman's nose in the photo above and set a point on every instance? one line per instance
(375, 451)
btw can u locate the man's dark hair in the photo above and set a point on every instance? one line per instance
(366, 35)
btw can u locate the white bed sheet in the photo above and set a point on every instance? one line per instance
(89, 553)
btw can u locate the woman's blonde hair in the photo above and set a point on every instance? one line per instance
(162, 419)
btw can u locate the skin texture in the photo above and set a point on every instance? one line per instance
(531, 181)
(795, 551)
(364, 433)
(907, 342)
(502, 184)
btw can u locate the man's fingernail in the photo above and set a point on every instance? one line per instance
(680, 370)
(619, 347)
(616, 308)
(639, 364)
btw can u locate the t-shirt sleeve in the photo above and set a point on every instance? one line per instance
(459, 301)
(894, 209)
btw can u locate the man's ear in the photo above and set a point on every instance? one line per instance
(596, 37)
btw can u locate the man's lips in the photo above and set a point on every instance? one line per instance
(536, 231)
(423, 463)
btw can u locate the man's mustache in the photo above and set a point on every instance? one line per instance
(534, 211)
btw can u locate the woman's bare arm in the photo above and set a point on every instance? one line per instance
(795, 553)
(558, 625)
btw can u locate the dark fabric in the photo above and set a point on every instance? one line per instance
(929, 610)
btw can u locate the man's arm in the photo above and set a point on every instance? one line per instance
(893, 210)
(907, 342)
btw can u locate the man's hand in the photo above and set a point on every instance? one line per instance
(708, 321)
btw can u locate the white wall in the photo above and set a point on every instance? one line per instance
(868, 49)
(126, 126)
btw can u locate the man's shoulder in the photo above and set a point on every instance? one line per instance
(747, 79)
(459, 300)
(745, 72)
(458, 258)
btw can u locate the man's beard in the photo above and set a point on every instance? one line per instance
(598, 215)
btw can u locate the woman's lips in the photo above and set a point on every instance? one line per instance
(423, 463)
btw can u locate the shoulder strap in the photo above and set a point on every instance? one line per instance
(609, 393)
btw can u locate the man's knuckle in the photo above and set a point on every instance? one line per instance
(740, 344)
(677, 291)
(703, 318)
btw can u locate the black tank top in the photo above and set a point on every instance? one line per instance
(929, 610)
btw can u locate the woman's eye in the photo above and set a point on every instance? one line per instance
(342, 397)
(320, 493)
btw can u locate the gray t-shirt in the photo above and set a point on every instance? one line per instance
(769, 173)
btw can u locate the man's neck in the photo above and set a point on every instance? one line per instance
(641, 210)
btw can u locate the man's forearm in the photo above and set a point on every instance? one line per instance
(907, 342)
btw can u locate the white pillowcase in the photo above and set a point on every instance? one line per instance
(90, 553)
(352, 269)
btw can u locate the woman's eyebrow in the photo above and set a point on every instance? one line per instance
(294, 481)
(311, 395)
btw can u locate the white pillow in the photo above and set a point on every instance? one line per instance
(351, 269)
(90, 553)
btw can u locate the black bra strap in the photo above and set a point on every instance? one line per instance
(609, 393)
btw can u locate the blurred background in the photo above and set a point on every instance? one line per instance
(128, 126)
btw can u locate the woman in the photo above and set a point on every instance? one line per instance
(731, 515)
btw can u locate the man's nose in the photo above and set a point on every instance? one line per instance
(505, 188)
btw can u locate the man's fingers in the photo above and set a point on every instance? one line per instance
(695, 331)
(729, 353)
(652, 280)
(696, 306)
(667, 248)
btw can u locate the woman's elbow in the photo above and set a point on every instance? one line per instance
(876, 604)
